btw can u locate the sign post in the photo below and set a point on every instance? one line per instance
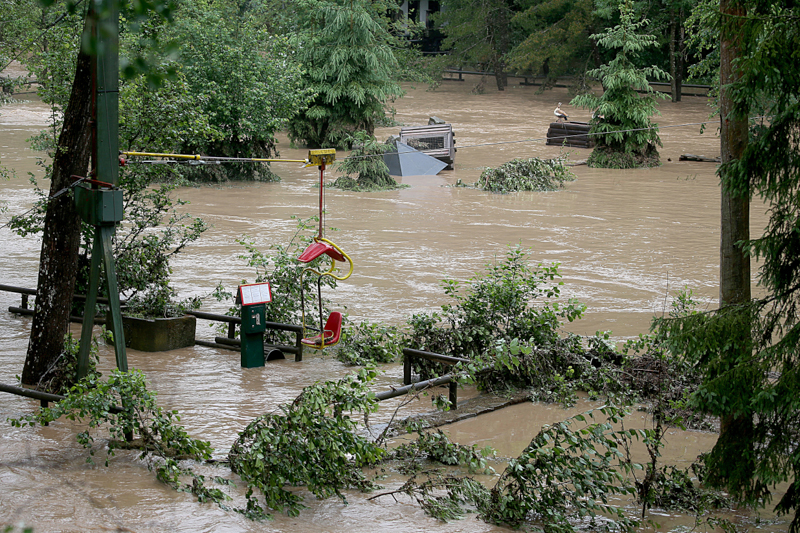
(254, 299)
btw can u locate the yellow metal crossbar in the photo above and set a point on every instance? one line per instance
(197, 157)
(315, 157)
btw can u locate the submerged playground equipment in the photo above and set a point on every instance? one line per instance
(329, 333)
(435, 139)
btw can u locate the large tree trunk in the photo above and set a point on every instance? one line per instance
(676, 50)
(734, 288)
(58, 264)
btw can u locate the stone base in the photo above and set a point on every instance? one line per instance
(159, 334)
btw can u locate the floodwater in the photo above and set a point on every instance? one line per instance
(625, 240)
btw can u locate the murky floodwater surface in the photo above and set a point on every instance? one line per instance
(624, 239)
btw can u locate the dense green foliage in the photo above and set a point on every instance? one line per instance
(124, 408)
(437, 446)
(366, 344)
(478, 31)
(243, 80)
(346, 53)
(557, 37)
(311, 442)
(625, 135)
(567, 475)
(749, 353)
(532, 174)
(366, 163)
(498, 305)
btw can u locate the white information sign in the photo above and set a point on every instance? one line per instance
(256, 293)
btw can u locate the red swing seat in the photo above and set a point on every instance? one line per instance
(316, 249)
(333, 332)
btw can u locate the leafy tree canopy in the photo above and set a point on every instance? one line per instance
(346, 51)
(557, 40)
(626, 137)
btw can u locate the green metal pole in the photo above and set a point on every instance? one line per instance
(107, 100)
(102, 207)
(106, 232)
(89, 309)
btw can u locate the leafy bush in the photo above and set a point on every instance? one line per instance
(675, 489)
(604, 157)
(532, 174)
(568, 474)
(564, 479)
(553, 372)
(436, 446)
(369, 344)
(282, 270)
(63, 373)
(626, 136)
(125, 407)
(311, 442)
(497, 305)
(366, 162)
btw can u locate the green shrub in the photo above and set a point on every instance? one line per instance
(369, 344)
(366, 163)
(312, 442)
(532, 174)
(496, 306)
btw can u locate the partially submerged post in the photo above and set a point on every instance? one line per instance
(100, 204)
(254, 299)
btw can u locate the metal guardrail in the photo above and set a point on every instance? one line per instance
(232, 321)
(409, 355)
(527, 77)
(232, 343)
(26, 293)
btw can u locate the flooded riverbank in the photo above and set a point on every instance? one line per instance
(624, 239)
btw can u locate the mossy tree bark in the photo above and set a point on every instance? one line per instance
(58, 263)
(735, 438)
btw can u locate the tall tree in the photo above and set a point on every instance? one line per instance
(478, 32)
(557, 41)
(750, 350)
(244, 81)
(626, 136)
(58, 263)
(346, 51)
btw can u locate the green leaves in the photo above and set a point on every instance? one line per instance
(367, 344)
(625, 134)
(345, 49)
(366, 162)
(532, 174)
(312, 442)
(509, 300)
(566, 475)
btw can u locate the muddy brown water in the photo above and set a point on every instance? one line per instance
(625, 240)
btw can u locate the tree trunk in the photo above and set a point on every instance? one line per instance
(58, 264)
(734, 287)
(676, 53)
(735, 432)
(500, 41)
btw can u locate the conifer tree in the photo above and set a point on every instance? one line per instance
(346, 52)
(626, 137)
(750, 350)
